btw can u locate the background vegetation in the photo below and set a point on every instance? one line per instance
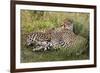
(43, 20)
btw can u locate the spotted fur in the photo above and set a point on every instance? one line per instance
(55, 39)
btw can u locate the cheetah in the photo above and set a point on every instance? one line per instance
(62, 37)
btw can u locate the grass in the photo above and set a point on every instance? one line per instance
(39, 21)
(54, 55)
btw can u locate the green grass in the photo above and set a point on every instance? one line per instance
(54, 55)
(40, 20)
